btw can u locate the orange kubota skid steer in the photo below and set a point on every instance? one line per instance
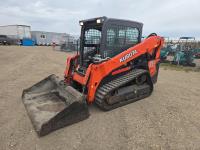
(112, 68)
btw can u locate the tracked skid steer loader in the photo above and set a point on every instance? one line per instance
(112, 68)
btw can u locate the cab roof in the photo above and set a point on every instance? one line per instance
(106, 19)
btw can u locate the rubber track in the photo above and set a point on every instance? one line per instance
(113, 85)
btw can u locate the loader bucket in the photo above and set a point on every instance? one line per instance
(52, 105)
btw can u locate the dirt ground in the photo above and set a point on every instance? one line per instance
(168, 119)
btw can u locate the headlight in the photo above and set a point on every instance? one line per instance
(81, 23)
(98, 20)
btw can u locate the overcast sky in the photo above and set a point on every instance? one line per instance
(172, 18)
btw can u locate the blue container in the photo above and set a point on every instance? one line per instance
(28, 42)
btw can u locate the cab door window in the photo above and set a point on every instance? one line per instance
(119, 38)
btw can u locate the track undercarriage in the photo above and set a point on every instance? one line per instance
(128, 88)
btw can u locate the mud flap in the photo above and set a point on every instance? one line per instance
(52, 105)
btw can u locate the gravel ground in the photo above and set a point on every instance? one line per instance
(168, 119)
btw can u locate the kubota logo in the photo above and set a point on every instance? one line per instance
(127, 56)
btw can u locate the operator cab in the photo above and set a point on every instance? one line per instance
(103, 38)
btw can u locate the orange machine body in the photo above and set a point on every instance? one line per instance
(97, 72)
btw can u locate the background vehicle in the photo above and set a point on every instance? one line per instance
(184, 54)
(4, 40)
(184, 58)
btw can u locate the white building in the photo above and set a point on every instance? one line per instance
(48, 38)
(16, 31)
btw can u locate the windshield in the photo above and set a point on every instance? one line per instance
(92, 40)
(92, 36)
